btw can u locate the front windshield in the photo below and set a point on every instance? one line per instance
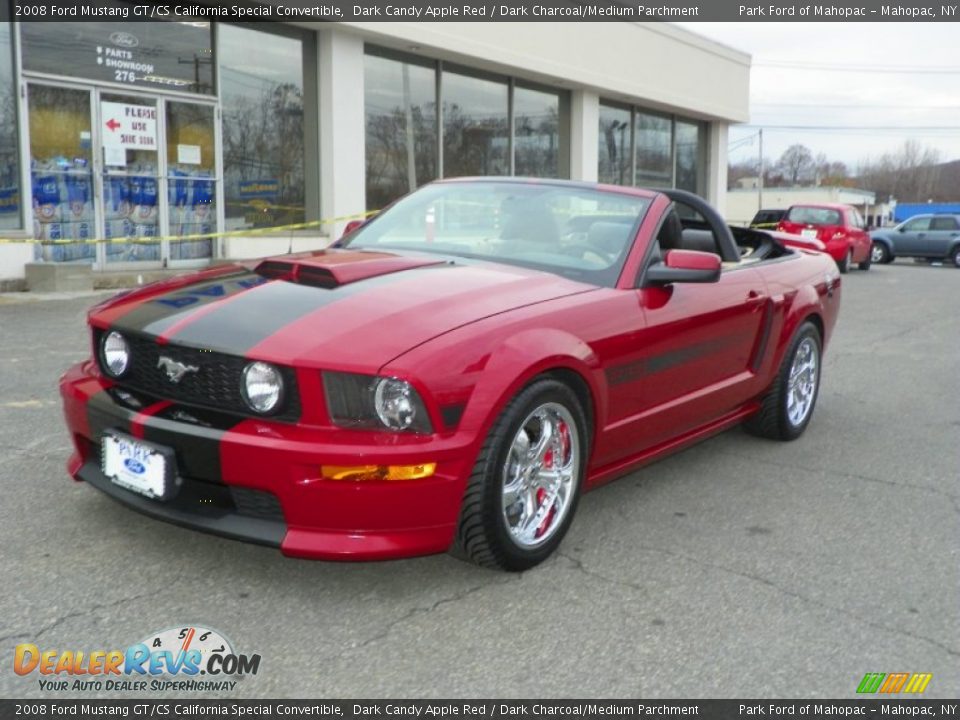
(577, 232)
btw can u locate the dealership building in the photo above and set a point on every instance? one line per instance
(186, 141)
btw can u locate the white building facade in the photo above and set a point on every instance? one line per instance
(188, 141)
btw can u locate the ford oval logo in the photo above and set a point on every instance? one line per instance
(134, 466)
(124, 39)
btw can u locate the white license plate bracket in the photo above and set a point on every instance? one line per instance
(138, 466)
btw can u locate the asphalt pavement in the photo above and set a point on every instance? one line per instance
(739, 568)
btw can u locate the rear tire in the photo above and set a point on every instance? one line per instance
(844, 265)
(955, 256)
(525, 485)
(786, 409)
(879, 253)
(865, 265)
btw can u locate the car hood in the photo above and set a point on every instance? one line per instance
(338, 309)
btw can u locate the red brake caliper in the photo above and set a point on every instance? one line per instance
(548, 462)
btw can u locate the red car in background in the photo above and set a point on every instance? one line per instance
(839, 227)
(451, 375)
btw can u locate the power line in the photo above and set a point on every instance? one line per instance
(858, 106)
(846, 67)
(858, 128)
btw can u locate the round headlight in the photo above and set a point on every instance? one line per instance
(115, 353)
(262, 386)
(394, 403)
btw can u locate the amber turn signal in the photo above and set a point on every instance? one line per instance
(361, 473)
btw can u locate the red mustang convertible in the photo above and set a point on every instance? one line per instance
(453, 374)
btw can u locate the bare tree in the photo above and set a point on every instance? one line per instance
(830, 173)
(911, 174)
(796, 163)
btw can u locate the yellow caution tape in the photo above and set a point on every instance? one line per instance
(198, 236)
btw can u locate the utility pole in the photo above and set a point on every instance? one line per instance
(760, 183)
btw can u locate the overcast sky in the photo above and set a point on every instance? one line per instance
(893, 76)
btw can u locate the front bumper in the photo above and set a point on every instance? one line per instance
(260, 481)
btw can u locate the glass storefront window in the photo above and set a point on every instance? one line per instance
(9, 151)
(641, 148)
(614, 146)
(155, 55)
(536, 132)
(476, 131)
(131, 189)
(261, 93)
(400, 102)
(61, 173)
(690, 156)
(191, 184)
(481, 122)
(654, 143)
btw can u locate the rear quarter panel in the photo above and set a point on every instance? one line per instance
(806, 285)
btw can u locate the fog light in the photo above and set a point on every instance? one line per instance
(362, 473)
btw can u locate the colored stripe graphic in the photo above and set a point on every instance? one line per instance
(893, 683)
(871, 682)
(918, 683)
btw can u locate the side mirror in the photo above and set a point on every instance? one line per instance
(351, 226)
(684, 266)
(901, 229)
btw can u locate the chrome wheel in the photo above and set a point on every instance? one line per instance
(539, 475)
(877, 253)
(802, 383)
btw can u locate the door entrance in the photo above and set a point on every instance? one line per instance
(135, 170)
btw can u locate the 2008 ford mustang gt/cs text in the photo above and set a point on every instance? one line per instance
(453, 374)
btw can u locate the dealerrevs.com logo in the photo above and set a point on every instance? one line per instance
(183, 658)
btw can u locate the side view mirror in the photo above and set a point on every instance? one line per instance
(351, 226)
(901, 229)
(684, 266)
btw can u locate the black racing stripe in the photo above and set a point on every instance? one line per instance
(635, 369)
(155, 315)
(252, 318)
(104, 413)
(197, 451)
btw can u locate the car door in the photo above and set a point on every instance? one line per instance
(694, 357)
(909, 237)
(944, 231)
(859, 239)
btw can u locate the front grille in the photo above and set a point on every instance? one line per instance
(257, 503)
(215, 385)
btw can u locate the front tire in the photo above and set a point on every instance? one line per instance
(865, 265)
(955, 256)
(525, 484)
(786, 409)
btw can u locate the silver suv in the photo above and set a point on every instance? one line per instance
(935, 237)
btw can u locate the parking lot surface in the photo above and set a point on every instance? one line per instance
(739, 568)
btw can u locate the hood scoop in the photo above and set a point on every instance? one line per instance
(332, 268)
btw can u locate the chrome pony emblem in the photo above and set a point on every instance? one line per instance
(175, 370)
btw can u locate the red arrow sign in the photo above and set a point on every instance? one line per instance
(112, 124)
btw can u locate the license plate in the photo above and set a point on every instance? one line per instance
(808, 232)
(138, 466)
